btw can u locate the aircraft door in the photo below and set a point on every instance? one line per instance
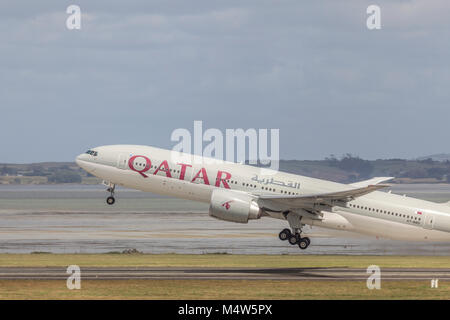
(122, 161)
(428, 221)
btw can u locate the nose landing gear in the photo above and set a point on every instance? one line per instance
(110, 200)
(111, 187)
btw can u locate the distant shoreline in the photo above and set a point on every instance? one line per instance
(346, 169)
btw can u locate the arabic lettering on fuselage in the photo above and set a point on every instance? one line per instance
(290, 184)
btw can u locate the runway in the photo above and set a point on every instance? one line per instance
(76, 219)
(158, 273)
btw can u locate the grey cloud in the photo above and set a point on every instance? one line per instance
(139, 69)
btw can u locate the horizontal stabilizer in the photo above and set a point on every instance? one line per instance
(372, 181)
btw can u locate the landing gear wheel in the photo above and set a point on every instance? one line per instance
(303, 243)
(308, 240)
(293, 239)
(111, 188)
(284, 234)
(110, 200)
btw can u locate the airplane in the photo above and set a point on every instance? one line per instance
(239, 193)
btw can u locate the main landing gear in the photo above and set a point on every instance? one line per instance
(111, 200)
(294, 239)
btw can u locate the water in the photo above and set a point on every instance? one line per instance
(76, 219)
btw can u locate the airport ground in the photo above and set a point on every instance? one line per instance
(76, 219)
(175, 276)
(185, 254)
(221, 289)
(222, 260)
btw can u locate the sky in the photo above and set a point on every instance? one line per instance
(138, 70)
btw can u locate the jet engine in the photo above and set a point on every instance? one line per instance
(442, 223)
(233, 206)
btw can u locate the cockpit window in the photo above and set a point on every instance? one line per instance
(92, 153)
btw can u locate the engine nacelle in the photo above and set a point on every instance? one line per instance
(442, 223)
(233, 206)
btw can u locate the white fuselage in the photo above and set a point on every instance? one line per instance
(192, 177)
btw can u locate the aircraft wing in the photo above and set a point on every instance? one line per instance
(369, 182)
(313, 202)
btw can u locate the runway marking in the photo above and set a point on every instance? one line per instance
(295, 274)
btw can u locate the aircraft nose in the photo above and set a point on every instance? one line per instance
(80, 158)
(85, 162)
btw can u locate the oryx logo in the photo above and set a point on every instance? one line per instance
(140, 167)
(227, 205)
